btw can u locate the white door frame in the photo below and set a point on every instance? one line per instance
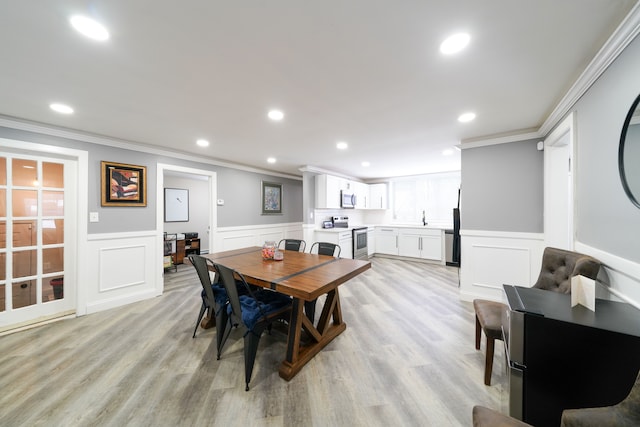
(563, 135)
(213, 214)
(78, 248)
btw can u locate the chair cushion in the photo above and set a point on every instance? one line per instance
(485, 417)
(219, 294)
(490, 316)
(265, 304)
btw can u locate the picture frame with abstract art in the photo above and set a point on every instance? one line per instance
(271, 198)
(123, 184)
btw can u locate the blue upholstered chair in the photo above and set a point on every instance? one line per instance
(214, 297)
(252, 313)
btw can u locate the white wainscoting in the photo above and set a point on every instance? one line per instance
(229, 238)
(490, 259)
(620, 276)
(124, 269)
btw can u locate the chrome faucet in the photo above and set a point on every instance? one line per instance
(424, 219)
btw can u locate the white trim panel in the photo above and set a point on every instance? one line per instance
(492, 259)
(229, 238)
(124, 267)
(619, 275)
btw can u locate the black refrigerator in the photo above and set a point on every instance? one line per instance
(561, 357)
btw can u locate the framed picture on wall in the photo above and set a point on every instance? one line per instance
(176, 205)
(271, 198)
(123, 185)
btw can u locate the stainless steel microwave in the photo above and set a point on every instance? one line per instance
(347, 199)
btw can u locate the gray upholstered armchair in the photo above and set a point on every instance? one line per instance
(558, 267)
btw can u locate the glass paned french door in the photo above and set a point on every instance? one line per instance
(32, 246)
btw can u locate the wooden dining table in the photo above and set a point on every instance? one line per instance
(304, 277)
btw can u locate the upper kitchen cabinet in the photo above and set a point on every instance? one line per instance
(377, 196)
(361, 190)
(328, 189)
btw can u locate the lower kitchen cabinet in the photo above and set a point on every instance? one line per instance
(387, 240)
(420, 243)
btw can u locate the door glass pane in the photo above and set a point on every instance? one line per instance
(3, 202)
(53, 203)
(52, 260)
(2, 300)
(25, 203)
(25, 173)
(24, 263)
(52, 231)
(24, 233)
(3, 234)
(3, 171)
(24, 293)
(3, 268)
(52, 288)
(52, 175)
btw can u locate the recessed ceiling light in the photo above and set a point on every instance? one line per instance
(61, 108)
(466, 117)
(90, 28)
(455, 43)
(271, 160)
(341, 145)
(202, 143)
(366, 164)
(447, 152)
(276, 115)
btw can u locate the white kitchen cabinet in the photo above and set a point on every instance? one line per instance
(387, 240)
(420, 243)
(377, 196)
(342, 238)
(361, 191)
(328, 191)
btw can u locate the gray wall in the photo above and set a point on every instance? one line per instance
(605, 218)
(502, 188)
(240, 189)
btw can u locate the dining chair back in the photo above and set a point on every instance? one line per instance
(320, 248)
(292, 245)
(214, 296)
(252, 312)
(325, 248)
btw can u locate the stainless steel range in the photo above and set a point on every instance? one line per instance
(360, 249)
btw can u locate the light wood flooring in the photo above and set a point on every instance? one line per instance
(407, 358)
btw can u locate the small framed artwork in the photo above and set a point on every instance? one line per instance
(271, 198)
(176, 205)
(123, 185)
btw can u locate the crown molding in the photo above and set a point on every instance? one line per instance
(613, 47)
(27, 126)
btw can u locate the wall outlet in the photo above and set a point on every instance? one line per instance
(93, 217)
(220, 202)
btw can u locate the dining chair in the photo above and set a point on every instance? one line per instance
(214, 297)
(325, 248)
(558, 267)
(320, 248)
(292, 245)
(252, 313)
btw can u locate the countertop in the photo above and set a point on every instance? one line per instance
(351, 227)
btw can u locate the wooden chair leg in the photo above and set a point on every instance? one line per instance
(478, 333)
(488, 364)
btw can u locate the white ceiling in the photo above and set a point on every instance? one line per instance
(368, 72)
